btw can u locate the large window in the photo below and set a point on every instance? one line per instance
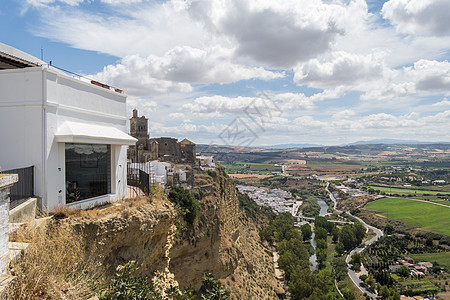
(88, 171)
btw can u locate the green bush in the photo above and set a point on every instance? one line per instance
(186, 201)
(125, 286)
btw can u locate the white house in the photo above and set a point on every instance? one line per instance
(72, 130)
(206, 162)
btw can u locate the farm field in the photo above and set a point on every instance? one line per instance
(417, 286)
(401, 191)
(442, 258)
(414, 213)
(242, 167)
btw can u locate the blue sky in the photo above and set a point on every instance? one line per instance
(256, 72)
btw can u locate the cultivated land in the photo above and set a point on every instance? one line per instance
(401, 191)
(243, 167)
(414, 213)
(442, 258)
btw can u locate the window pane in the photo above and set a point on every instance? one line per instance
(88, 171)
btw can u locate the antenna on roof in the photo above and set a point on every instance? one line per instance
(42, 53)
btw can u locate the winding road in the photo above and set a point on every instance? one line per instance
(351, 272)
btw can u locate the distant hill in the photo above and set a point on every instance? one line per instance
(290, 146)
(393, 142)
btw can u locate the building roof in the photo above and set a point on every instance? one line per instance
(186, 141)
(73, 132)
(12, 58)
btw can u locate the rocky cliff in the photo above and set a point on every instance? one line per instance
(222, 240)
(225, 242)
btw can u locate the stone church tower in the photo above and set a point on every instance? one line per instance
(145, 149)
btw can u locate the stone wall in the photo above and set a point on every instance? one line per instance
(6, 181)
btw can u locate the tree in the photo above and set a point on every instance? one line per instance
(306, 232)
(322, 222)
(335, 234)
(321, 244)
(321, 255)
(348, 295)
(347, 237)
(356, 260)
(370, 281)
(321, 233)
(359, 231)
(384, 292)
(388, 229)
(403, 271)
(339, 268)
(339, 248)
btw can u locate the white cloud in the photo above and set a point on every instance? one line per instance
(220, 105)
(431, 75)
(341, 68)
(419, 16)
(444, 103)
(44, 3)
(179, 68)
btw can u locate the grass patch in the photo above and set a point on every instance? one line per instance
(442, 258)
(414, 213)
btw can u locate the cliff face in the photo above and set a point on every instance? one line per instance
(132, 230)
(224, 242)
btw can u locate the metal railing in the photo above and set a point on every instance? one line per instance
(139, 175)
(24, 188)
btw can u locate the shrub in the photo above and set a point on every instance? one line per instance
(186, 201)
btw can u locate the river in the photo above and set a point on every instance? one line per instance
(323, 211)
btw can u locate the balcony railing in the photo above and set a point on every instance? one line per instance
(24, 188)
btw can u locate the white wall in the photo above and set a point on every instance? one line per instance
(38, 100)
(21, 127)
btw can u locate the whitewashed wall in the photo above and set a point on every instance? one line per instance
(34, 102)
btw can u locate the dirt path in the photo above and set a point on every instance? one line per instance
(278, 273)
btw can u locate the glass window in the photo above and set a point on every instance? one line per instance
(88, 171)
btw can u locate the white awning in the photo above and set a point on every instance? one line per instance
(73, 132)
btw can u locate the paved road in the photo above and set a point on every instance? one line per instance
(332, 198)
(354, 277)
(378, 233)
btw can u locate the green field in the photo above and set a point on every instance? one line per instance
(402, 191)
(442, 258)
(414, 213)
(242, 167)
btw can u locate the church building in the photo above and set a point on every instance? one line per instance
(162, 148)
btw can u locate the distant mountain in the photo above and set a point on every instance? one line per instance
(290, 146)
(393, 141)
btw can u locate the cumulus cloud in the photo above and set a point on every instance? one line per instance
(220, 105)
(179, 68)
(419, 16)
(431, 75)
(341, 68)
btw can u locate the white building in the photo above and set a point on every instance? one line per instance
(71, 130)
(206, 162)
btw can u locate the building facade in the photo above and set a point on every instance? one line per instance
(71, 130)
